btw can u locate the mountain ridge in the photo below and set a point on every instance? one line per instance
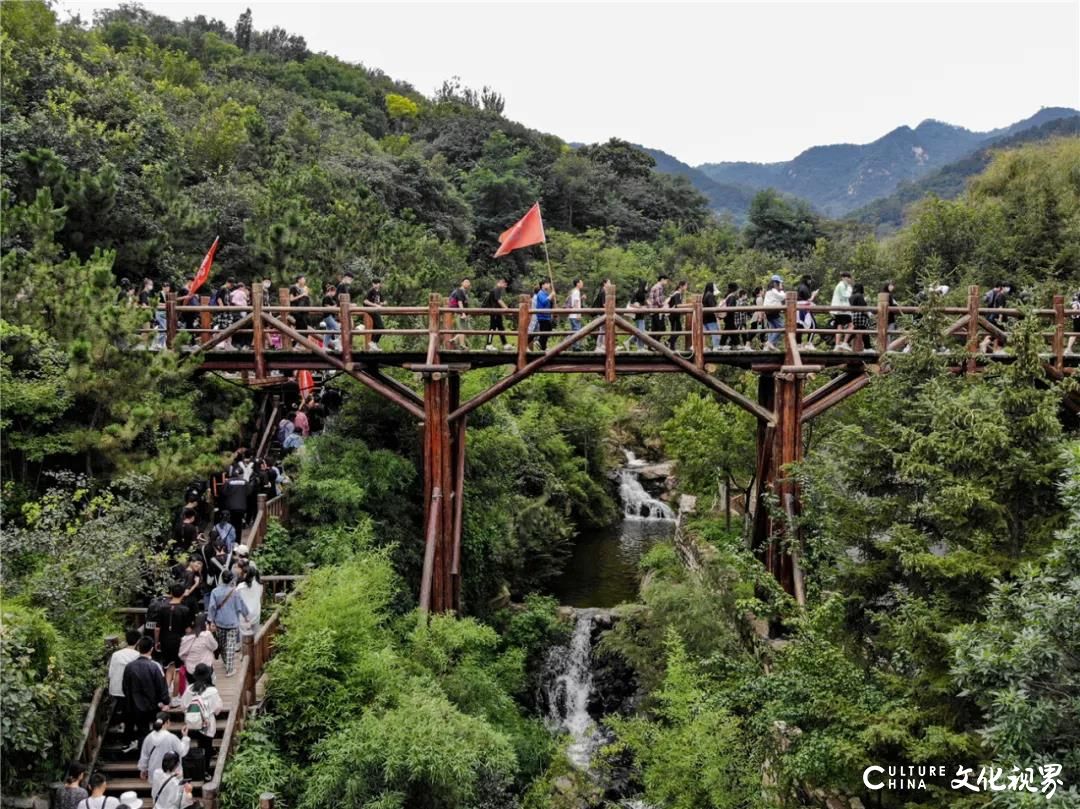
(839, 178)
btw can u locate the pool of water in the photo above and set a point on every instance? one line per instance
(603, 570)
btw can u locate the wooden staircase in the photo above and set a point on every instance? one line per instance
(122, 769)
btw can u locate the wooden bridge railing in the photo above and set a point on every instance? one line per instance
(692, 329)
(258, 651)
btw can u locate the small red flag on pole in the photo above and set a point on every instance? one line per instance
(527, 231)
(305, 381)
(203, 275)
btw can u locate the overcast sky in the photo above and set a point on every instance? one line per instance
(706, 82)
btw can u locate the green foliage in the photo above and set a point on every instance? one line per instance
(1018, 661)
(691, 752)
(780, 225)
(711, 444)
(40, 696)
(371, 707)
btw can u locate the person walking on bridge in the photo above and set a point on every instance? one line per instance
(656, 302)
(159, 742)
(202, 703)
(496, 326)
(171, 622)
(545, 302)
(374, 299)
(674, 304)
(841, 317)
(574, 302)
(145, 693)
(98, 799)
(774, 296)
(226, 610)
(459, 299)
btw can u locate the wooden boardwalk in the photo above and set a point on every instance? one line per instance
(440, 343)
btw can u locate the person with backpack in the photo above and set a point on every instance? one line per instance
(708, 319)
(224, 531)
(459, 299)
(158, 743)
(97, 798)
(145, 693)
(202, 703)
(168, 787)
(197, 647)
(226, 610)
(171, 622)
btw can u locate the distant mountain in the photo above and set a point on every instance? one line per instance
(724, 198)
(948, 182)
(840, 178)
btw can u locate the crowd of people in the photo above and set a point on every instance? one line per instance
(665, 306)
(234, 296)
(167, 665)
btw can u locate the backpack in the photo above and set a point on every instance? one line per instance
(195, 715)
(453, 303)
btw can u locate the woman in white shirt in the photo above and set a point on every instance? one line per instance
(168, 789)
(160, 742)
(250, 591)
(202, 693)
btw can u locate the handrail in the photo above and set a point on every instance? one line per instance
(265, 331)
(258, 652)
(91, 738)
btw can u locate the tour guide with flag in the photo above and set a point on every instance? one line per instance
(527, 231)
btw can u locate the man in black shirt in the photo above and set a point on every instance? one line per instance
(145, 693)
(172, 620)
(674, 301)
(494, 300)
(300, 295)
(373, 298)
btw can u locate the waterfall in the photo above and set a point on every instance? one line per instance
(638, 504)
(567, 684)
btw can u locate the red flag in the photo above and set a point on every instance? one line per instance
(305, 381)
(203, 275)
(526, 231)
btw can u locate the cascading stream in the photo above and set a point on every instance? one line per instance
(568, 683)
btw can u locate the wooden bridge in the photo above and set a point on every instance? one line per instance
(265, 347)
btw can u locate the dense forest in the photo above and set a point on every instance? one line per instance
(941, 512)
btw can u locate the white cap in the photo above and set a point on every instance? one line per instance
(242, 550)
(131, 799)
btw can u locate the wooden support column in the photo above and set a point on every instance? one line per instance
(1059, 333)
(257, 333)
(609, 332)
(434, 302)
(882, 323)
(972, 327)
(785, 538)
(437, 586)
(283, 300)
(170, 319)
(776, 448)
(346, 325)
(697, 332)
(523, 331)
(206, 320)
(369, 324)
